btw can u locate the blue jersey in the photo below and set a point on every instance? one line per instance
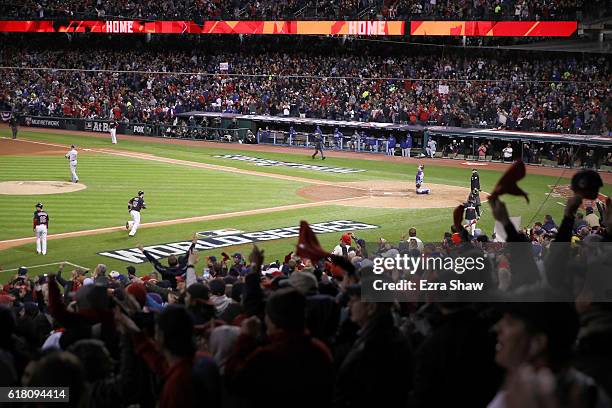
(408, 142)
(420, 177)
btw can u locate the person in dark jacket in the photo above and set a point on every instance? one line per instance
(457, 354)
(234, 308)
(73, 284)
(176, 266)
(33, 325)
(300, 365)
(173, 357)
(105, 389)
(61, 369)
(541, 337)
(199, 305)
(377, 370)
(475, 180)
(13, 123)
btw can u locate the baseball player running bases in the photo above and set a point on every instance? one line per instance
(40, 226)
(134, 206)
(72, 159)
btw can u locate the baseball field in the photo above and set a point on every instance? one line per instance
(231, 195)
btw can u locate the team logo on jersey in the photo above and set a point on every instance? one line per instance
(229, 237)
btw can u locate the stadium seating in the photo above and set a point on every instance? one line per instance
(515, 91)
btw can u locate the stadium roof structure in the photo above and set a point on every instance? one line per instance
(292, 121)
(592, 47)
(446, 131)
(595, 140)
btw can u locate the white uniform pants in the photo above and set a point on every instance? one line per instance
(423, 190)
(406, 152)
(113, 133)
(135, 223)
(41, 239)
(73, 166)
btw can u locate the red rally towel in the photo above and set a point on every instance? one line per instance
(458, 217)
(507, 184)
(308, 245)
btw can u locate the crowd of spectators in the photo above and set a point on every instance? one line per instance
(548, 93)
(230, 330)
(199, 10)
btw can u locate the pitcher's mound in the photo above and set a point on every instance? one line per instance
(39, 187)
(389, 194)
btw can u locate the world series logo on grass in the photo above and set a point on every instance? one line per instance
(228, 237)
(268, 163)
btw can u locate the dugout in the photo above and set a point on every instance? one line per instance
(547, 149)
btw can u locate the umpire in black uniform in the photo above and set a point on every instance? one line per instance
(475, 180)
(318, 142)
(13, 122)
(474, 196)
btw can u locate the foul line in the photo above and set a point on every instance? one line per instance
(43, 265)
(6, 244)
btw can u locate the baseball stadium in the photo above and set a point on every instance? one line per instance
(255, 203)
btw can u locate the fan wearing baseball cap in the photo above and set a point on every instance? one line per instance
(343, 246)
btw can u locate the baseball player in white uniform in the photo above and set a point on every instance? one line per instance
(40, 225)
(134, 206)
(113, 131)
(72, 159)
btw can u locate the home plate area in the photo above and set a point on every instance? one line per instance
(387, 194)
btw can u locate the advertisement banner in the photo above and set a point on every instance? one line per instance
(97, 126)
(368, 28)
(139, 129)
(494, 28)
(54, 123)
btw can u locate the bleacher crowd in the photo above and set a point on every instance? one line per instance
(512, 91)
(236, 330)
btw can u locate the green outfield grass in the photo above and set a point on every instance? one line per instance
(170, 191)
(174, 191)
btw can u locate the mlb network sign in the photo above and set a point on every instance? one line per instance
(229, 237)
